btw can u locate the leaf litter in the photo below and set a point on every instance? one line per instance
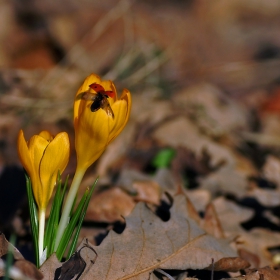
(223, 123)
(148, 243)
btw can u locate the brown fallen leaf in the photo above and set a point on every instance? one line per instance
(271, 169)
(50, 266)
(147, 191)
(258, 241)
(22, 269)
(186, 161)
(29, 269)
(268, 198)
(110, 205)
(231, 216)
(4, 248)
(265, 273)
(77, 267)
(200, 198)
(148, 243)
(211, 222)
(253, 259)
(230, 264)
(192, 212)
(164, 177)
(128, 176)
(218, 181)
(269, 273)
(186, 134)
(212, 111)
(144, 187)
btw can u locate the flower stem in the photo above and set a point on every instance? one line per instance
(64, 220)
(42, 214)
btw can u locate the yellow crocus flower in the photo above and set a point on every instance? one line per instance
(42, 157)
(94, 130)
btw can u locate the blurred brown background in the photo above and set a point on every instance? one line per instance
(157, 49)
(154, 48)
(211, 67)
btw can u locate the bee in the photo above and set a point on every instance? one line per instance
(100, 98)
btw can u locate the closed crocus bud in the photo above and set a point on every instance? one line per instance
(42, 157)
(99, 117)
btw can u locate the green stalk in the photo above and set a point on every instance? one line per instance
(42, 215)
(71, 227)
(53, 220)
(33, 219)
(81, 219)
(64, 220)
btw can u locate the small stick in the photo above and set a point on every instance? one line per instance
(212, 270)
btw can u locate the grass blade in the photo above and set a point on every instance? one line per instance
(81, 219)
(70, 227)
(52, 218)
(33, 219)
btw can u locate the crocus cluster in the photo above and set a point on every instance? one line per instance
(43, 156)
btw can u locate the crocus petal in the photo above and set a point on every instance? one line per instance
(85, 86)
(37, 146)
(127, 97)
(59, 149)
(24, 154)
(123, 107)
(116, 124)
(46, 135)
(91, 137)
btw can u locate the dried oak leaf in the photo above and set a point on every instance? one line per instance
(21, 269)
(218, 181)
(148, 243)
(231, 216)
(212, 111)
(257, 240)
(28, 269)
(186, 134)
(4, 248)
(271, 172)
(265, 273)
(211, 222)
(147, 191)
(110, 205)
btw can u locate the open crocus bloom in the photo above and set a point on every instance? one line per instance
(42, 157)
(99, 117)
(95, 130)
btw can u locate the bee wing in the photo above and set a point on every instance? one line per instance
(86, 95)
(105, 105)
(109, 111)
